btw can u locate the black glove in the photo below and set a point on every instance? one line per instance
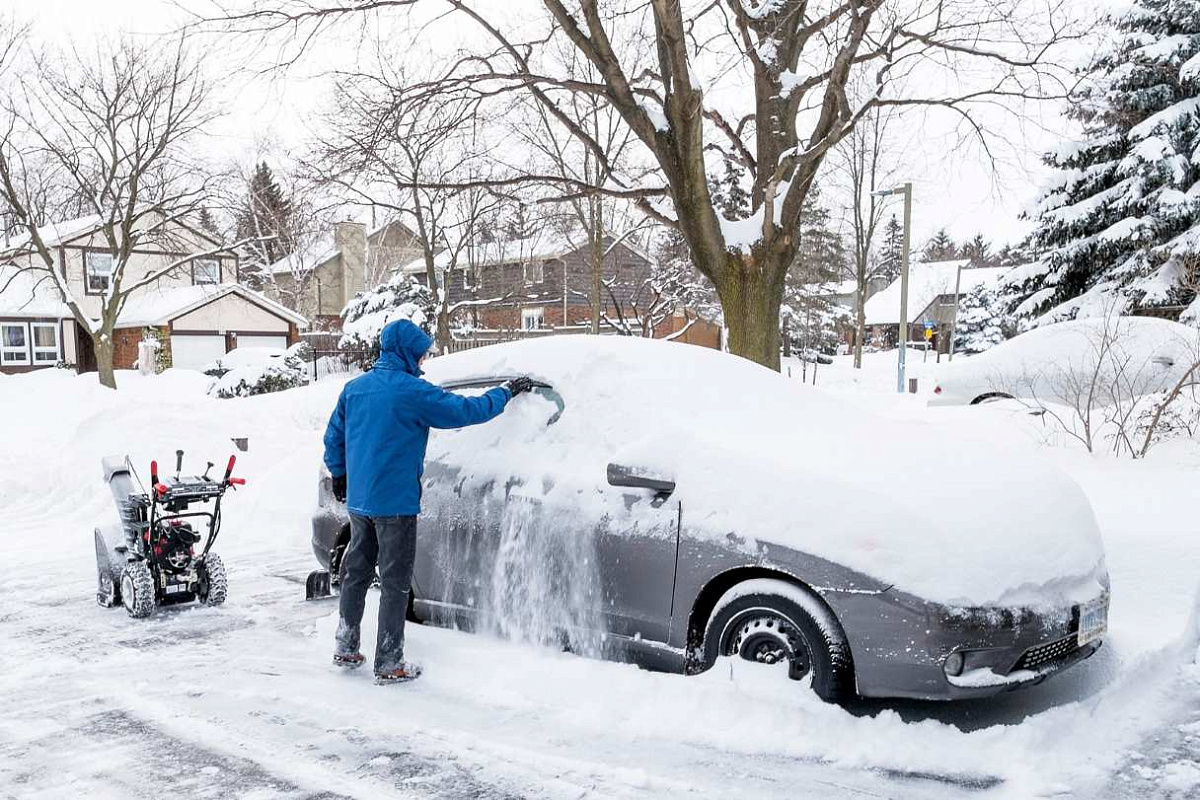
(519, 385)
(339, 488)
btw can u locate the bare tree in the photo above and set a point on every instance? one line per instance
(866, 164)
(108, 137)
(798, 58)
(594, 215)
(416, 154)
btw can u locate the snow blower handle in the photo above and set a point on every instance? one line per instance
(155, 486)
(178, 462)
(229, 467)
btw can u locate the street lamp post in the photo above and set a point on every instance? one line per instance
(905, 190)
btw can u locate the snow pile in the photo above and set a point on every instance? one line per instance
(760, 460)
(247, 371)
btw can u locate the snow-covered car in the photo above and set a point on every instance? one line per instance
(1100, 359)
(670, 505)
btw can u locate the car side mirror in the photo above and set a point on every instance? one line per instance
(620, 475)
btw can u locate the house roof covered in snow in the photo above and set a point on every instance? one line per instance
(927, 281)
(27, 294)
(832, 288)
(52, 234)
(323, 249)
(542, 247)
(155, 306)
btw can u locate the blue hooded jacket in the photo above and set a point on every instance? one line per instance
(380, 428)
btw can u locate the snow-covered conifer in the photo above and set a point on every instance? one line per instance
(1117, 225)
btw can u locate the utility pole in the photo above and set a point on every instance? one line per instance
(954, 319)
(905, 190)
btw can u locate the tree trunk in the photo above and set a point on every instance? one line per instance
(860, 321)
(443, 327)
(750, 299)
(102, 343)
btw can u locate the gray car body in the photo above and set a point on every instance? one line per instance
(660, 582)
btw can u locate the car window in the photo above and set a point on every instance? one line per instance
(478, 386)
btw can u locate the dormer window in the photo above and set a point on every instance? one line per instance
(206, 271)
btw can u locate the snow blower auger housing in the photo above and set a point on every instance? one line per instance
(154, 556)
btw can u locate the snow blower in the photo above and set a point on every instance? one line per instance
(150, 559)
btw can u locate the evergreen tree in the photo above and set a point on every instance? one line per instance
(982, 321)
(812, 321)
(891, 258)
(208, 224)
(940, 248)
(822, 256)
(1118, 223)
(265, 212)
(729, 194)
(979, 251)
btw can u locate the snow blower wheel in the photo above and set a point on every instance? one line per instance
(160, 553)
(137, 590)
(212, 584)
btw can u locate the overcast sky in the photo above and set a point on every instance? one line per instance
(963, 191)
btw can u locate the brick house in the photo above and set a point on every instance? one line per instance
(319, 280)
(199, 311)
(545, 283)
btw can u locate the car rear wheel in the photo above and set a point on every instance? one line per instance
(773, 622)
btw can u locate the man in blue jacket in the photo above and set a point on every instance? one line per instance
(375, 450)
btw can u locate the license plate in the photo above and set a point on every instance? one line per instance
(1093, 620)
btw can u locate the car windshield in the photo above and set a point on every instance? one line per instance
(477, 386)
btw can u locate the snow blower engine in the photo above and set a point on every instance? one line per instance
(151, 558)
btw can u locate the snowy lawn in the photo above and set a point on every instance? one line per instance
(241, 701)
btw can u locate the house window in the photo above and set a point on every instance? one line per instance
(99, 272)
(206, 271)
(45, 343)
(534, 272)
(533, 319)
(14, 344)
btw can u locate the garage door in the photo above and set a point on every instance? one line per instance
(197, 351)
(262, 340)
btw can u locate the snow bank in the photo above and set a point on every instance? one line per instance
(757, 456)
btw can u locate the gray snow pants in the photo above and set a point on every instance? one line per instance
(390, 542)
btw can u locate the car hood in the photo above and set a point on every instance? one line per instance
(755, 455)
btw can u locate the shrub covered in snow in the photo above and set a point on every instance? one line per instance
(982, 321)
(365, 316)
(248, 371)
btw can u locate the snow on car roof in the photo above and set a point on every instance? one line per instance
(764, 459)
(926, 282)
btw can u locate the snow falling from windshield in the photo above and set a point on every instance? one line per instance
(545, 588)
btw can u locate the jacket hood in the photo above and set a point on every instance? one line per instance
(401, 346)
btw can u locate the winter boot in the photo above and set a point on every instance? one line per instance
(348, 660)
(406, 672)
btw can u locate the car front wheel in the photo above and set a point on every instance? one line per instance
(774, 622)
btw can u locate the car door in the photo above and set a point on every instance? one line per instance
(528, 552)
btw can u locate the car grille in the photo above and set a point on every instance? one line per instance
(1043, 654)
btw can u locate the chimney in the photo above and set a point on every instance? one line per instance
(351, 239)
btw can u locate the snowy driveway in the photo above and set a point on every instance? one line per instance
(242, 702)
